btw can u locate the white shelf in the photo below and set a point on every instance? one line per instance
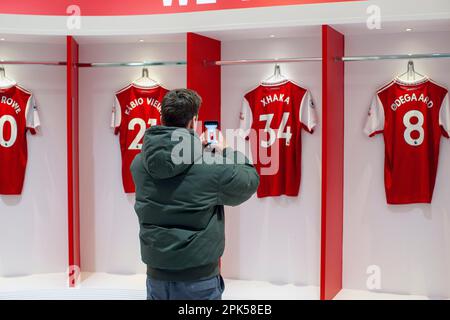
(348, 294)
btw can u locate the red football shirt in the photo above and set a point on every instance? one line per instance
(136, 109)
(273, 115)
(412, 118)
(18, 113)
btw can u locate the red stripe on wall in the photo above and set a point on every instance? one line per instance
(332, 163)
(138, 7)
(73, 162)
(206, 80)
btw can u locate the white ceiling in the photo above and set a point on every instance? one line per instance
(32, 39)
(269, 17)
(244, 34)
(265, 33)
(396, 27)
(157, 38)
(347, 29)
(45, 39)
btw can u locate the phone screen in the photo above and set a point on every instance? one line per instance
(211, 131)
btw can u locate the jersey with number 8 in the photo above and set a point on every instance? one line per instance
(136, 109)
(412, 118)
(18, 113)
(277, 113)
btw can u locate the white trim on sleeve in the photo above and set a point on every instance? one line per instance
(444, 115)
(307, 112)
(31, 114)
(375, 120)
(246, 119)
(116, 119)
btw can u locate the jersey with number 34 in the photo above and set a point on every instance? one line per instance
(136, 109)
(276, 114)
(412, 117)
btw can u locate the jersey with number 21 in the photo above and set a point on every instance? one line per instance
(136, 108)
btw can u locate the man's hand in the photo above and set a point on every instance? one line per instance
(217, 147)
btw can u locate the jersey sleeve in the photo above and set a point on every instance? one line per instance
(32, 115)
(116, 119)
(246, 119)
(308, 114)
(444, 116)
(375, 119)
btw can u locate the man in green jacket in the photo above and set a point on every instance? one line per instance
(181, 190)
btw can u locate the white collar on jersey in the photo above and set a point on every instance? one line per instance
(274, 83)
(416, 82)
(276, 79)
(145, 81)
(145, 85)
(4, 85)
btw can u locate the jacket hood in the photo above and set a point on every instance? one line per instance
(170, 151)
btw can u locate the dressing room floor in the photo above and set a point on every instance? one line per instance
(103, 286)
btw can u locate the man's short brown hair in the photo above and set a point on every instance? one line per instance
(179, 106)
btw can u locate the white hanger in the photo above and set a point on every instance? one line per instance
(277, 77)
(411, 75)
(4, 81)
(145, 80)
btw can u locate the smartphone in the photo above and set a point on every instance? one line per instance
(211, 132)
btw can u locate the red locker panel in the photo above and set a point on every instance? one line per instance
(332, 163)
(73, 161)
(204, 79)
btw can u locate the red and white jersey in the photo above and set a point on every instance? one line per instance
(135, 110)
(412, 117)
(18, 113)
(276, 113)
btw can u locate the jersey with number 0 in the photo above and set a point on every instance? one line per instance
(273, 116)
(412, 117)
(18, 114)
(136, 109)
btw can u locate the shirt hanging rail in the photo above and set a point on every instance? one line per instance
(395, 57)
(96, 64)
(42, 63)
(232, 62)
(266, 61)
(132, 64)
(261, 61)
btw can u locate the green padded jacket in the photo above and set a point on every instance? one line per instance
(181, 192)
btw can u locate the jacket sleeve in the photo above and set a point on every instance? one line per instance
(238, 180)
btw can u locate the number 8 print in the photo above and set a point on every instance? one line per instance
(13, 137)
(416, 127)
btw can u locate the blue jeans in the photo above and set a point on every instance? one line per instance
(210, 289)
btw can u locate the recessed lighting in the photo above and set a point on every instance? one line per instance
(409, 30)
(141, 40)
(2, 39)
(272, 36)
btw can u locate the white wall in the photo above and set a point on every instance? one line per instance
(286, 232)
(411, 244)
(33, 226)
(275, 239)
(109, 226)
